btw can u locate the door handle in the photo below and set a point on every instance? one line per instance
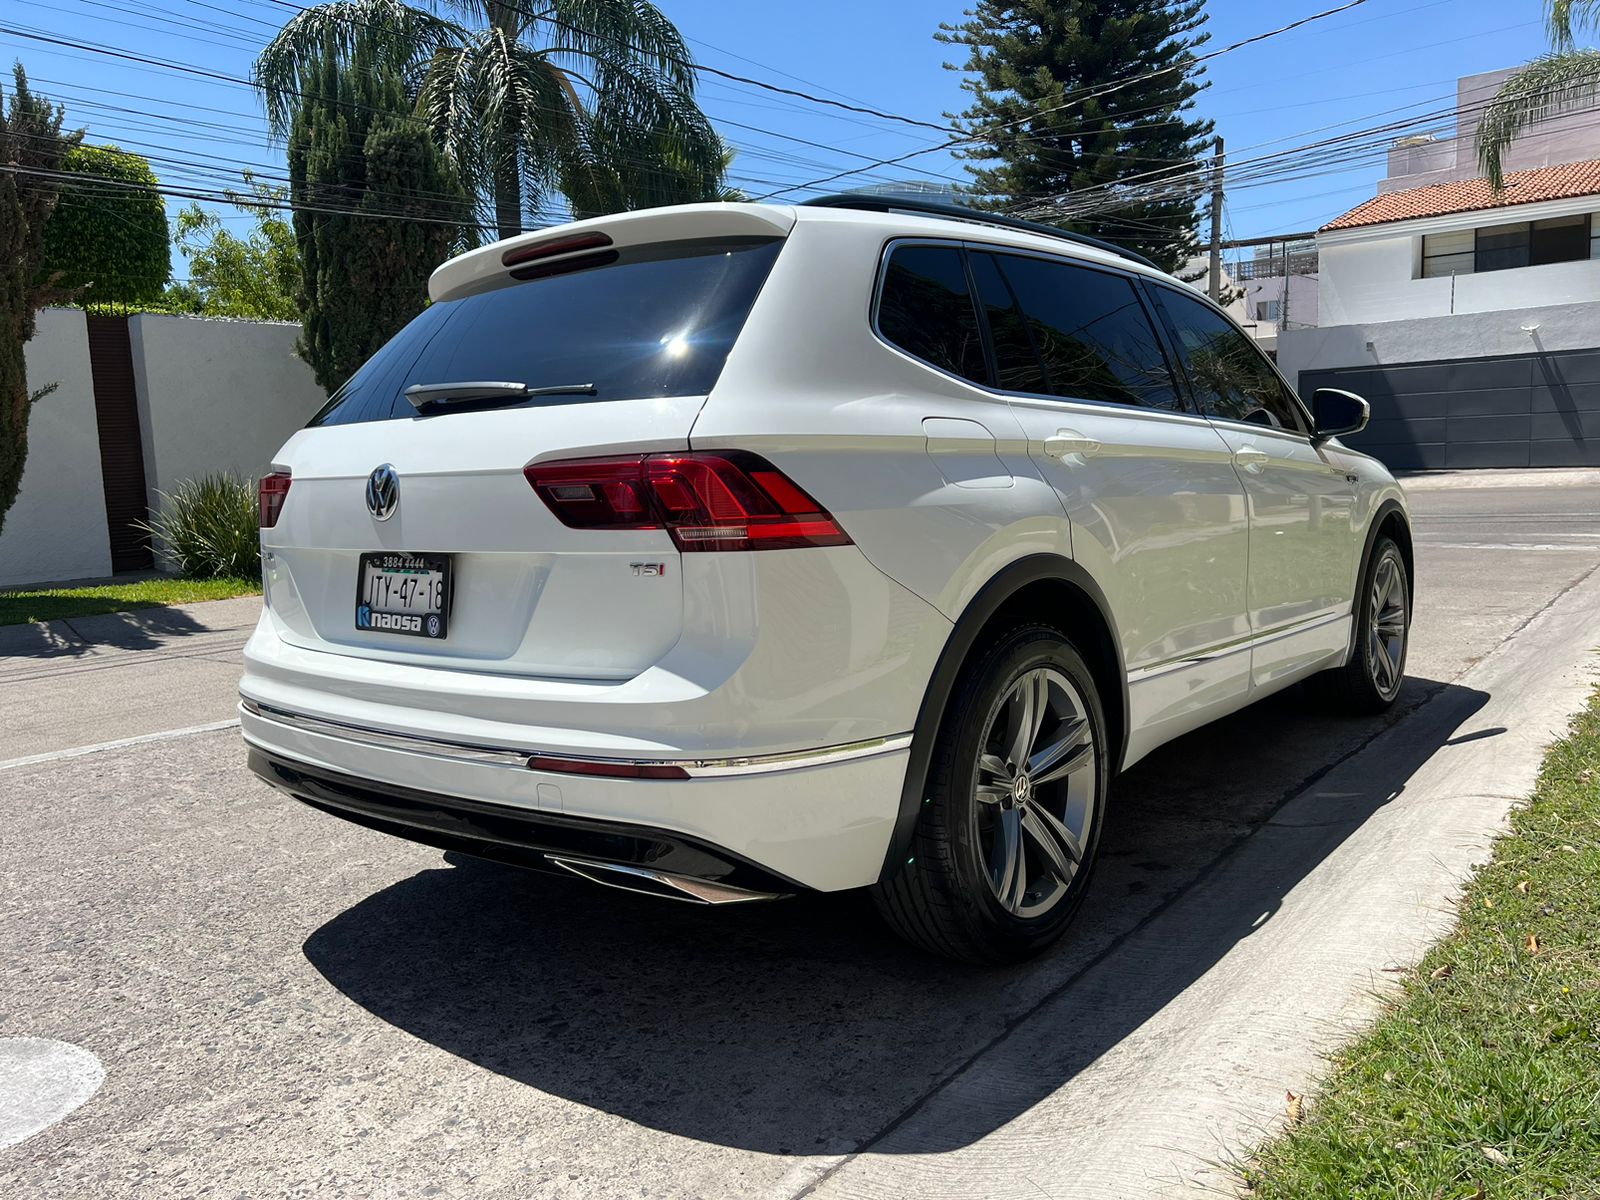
(1067, 442)
(1250, 458)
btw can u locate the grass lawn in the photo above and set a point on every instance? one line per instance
(51, 603)
(1483, 1080)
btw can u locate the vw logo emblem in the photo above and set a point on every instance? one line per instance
(383, 492)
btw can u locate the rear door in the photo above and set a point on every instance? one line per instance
(395, 509)
(1302, 504)
(1157, 512)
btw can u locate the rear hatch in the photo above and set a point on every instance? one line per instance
(409, 532)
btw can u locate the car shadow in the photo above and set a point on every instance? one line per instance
(804, 1027)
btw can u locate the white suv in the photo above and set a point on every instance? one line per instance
(728, 551)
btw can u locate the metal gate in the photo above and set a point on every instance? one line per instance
(1524, 410)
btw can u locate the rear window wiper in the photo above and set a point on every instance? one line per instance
(423, 395)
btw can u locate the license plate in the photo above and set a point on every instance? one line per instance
(404, 593)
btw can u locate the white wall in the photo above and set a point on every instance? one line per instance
(216, 395)
(1372, 281)
(57, 528)
(212, 395)
(1369, 273)
(1435, 339)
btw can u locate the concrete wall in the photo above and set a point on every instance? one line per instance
(1435, 339)
(216, 395)
(212, 396)
(57, 528)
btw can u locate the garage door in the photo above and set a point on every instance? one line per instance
(1526, 410)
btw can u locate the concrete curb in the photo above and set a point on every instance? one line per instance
(1268, 962)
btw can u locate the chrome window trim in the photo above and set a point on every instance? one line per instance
(695, 768)
(1293, 435)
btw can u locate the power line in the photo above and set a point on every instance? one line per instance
(223, 78)
(1186, 64)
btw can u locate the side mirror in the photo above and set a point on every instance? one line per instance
(1334, 412)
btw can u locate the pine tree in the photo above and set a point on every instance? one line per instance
(376, 209)
(1073, 94)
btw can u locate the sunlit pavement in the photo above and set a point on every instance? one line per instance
(283, 1004)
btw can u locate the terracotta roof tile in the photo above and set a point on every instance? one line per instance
(1468, 195)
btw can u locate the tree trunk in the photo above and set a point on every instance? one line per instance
(508, 198)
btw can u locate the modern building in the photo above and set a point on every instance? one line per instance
(1468, 317)
(1277, 285)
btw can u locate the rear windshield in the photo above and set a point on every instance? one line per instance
(659, 321)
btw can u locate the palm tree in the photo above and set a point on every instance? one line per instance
(589, 99)
(1565, 77)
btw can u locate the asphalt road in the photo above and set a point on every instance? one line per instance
(285, 1005)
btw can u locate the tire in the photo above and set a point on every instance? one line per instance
(1000, 860)
(1371, 680)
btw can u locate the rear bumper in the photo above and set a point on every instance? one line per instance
(820, 820)
(539, 840)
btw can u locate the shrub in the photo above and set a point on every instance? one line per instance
(108, 236)
(208, 527)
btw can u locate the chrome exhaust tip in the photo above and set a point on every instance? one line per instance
(661, 884)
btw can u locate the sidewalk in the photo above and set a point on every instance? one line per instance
(1499, 477)
(87, 680)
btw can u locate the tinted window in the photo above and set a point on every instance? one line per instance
(1016, 357)
(1230, 377)
(926, 310)
(658, 321)
(1092, 335)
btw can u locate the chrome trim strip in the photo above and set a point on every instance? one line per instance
(1140, 674)
(460, 751)
(693, 891)
(696, 768)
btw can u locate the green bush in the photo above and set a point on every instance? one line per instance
(108, 236)
(208, 527)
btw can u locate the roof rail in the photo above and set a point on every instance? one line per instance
(955, 212)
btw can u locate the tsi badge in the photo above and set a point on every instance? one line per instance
(652, 569)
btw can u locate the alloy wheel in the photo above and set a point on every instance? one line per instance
(1035, 789)
(1386, 628)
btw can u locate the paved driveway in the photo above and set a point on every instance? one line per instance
(284, 1004)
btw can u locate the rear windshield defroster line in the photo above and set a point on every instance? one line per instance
(659, 321)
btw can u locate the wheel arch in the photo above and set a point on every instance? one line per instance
(1389, 520)
(1042, 587)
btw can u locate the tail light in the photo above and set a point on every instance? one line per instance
(729, 500)
(270, 493)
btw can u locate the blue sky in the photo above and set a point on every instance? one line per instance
(1343, 71)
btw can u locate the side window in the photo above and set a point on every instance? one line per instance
(1091, 332)
(1016, 357)
(1230, 377)
(926, 310)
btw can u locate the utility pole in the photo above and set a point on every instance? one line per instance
(1283, 309)
(1215, 288)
